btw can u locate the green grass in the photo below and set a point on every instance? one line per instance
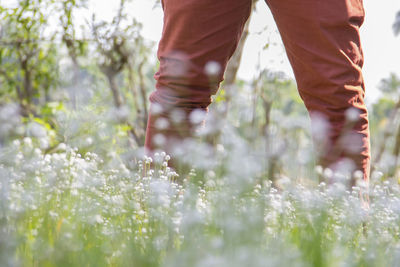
(66, 209)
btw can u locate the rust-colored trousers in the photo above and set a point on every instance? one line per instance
(322, 42)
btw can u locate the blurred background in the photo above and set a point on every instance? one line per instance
(80, 72)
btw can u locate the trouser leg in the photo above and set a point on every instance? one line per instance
(195, 33)
(322, 42)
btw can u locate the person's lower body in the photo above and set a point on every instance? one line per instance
(322, 42)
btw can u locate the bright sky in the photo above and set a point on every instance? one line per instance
(381, 47)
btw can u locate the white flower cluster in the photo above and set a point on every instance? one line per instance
(59, 204)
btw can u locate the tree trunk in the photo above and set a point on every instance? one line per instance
(386, 135)
(143, 93)
(27, 82)
(267, 113)
(396, 152)
(114, 90)
(234, 62)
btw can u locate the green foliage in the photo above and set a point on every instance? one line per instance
(28, 66)
(391, 85)
(382, 111)
(75, 46)
(30, 56)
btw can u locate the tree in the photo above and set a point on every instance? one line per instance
(386, 113)
(122, 50)
(28, 55)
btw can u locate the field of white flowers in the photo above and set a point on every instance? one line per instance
(64, 208)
